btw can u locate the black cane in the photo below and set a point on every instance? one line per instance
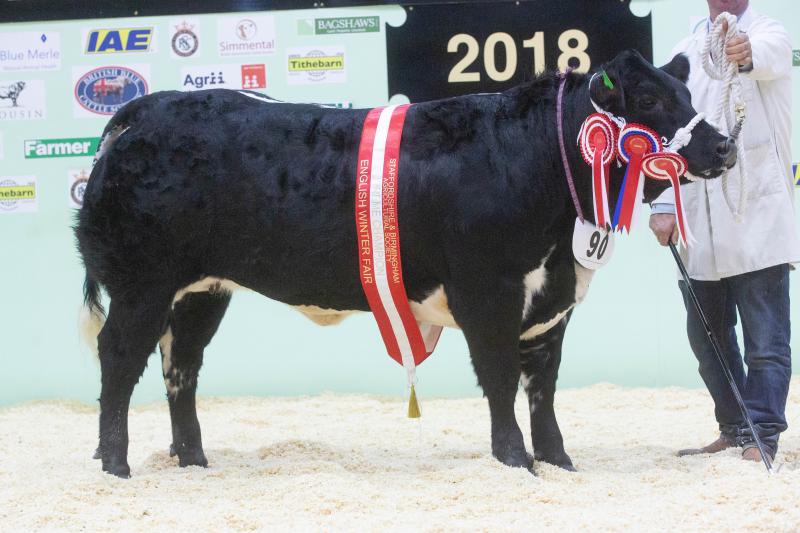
(725, 368)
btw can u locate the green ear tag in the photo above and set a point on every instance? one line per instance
(607, 81)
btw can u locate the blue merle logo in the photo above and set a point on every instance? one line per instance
(106, 89)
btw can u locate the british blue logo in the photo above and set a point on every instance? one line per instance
(106, 89)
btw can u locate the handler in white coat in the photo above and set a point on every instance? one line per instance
(743, 265)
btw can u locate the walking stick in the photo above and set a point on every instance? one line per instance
(725, 368)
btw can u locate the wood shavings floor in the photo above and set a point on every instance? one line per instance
(353, 463)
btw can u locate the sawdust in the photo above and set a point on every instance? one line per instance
(353, 463)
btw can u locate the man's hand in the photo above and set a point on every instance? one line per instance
(665, 228)
(738, 48)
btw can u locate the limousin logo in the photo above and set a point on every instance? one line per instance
(30, 50)
(104, 90)
(246, 36)
(22, 100)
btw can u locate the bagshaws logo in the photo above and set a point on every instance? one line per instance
(185, 40)
(18, 194)
(41, 148)
(246, 36)
(316, 65)
(336, 25)
(112, 41)
(30, 50)
(22, 100)
(76, 184)
(104, 90)
(224, 77)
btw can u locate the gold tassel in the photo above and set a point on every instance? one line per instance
(413, 405)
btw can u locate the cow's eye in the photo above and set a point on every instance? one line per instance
(646, 102)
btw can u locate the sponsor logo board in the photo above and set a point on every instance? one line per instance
(103, 90)
(254, 35)
(18, 194)
(337, 25)
(118, 40)
(316, 64)
(76, 186)
(796, 173)
(22, 99)
(75, 147)
(185, 39)
(2, 151)
(796, 58)
(30, 50)
(224, 77)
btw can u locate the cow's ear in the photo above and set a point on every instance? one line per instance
(678, 67)
(606, 89)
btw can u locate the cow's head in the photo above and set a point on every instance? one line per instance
(659, 98)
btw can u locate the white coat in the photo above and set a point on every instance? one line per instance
(766, 235)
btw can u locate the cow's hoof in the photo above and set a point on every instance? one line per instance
(119, 469)
(190, 456)
(97, 453)
(515, 458)
(560, 460)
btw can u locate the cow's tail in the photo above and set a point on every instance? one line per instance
(93, 316)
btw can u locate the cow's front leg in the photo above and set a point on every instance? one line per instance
(540, 358)
(490, 319)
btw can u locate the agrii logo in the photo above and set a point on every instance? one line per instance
(111, 41)
(224, 77)
(246, 36)
(44, 148)
(30, 50)
(336, 25)
(317, 64)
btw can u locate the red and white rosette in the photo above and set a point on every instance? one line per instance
(598, 144)
(670, 166)
(635, 141)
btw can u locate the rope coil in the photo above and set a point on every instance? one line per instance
(719, 67)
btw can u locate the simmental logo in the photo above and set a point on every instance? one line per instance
(41, 148)
(316, 65)
(328, 26)
(111, 41)
(104, 90)
(246, 36)
(30, 50)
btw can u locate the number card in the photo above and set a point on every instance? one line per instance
(592, 246)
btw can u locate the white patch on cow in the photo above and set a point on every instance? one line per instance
(534, 400)
(525, 380)
(583, 276)
(108, 141)
(261, 97)
(535, 281)
(171, 375)
(91, 322)
(434, 309)
(208, 284)
(323, 317)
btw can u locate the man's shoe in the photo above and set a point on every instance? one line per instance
(751, 453)
(722, 443)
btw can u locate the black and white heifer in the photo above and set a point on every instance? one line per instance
(193, 194)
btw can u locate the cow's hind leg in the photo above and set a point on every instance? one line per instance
(540, 358)
(127, 339)
(490, 319)
(192, 323)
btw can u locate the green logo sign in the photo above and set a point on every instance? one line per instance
(330, 26)
(796, 58)
(39, 148)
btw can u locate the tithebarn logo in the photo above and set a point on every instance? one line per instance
(18, 194)
(246, 36)
(185, 41)
(104, 90)
(111, 41)
(22, 100)
(336, 25)
(316, 65)
(42, 148)
(30, 50)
